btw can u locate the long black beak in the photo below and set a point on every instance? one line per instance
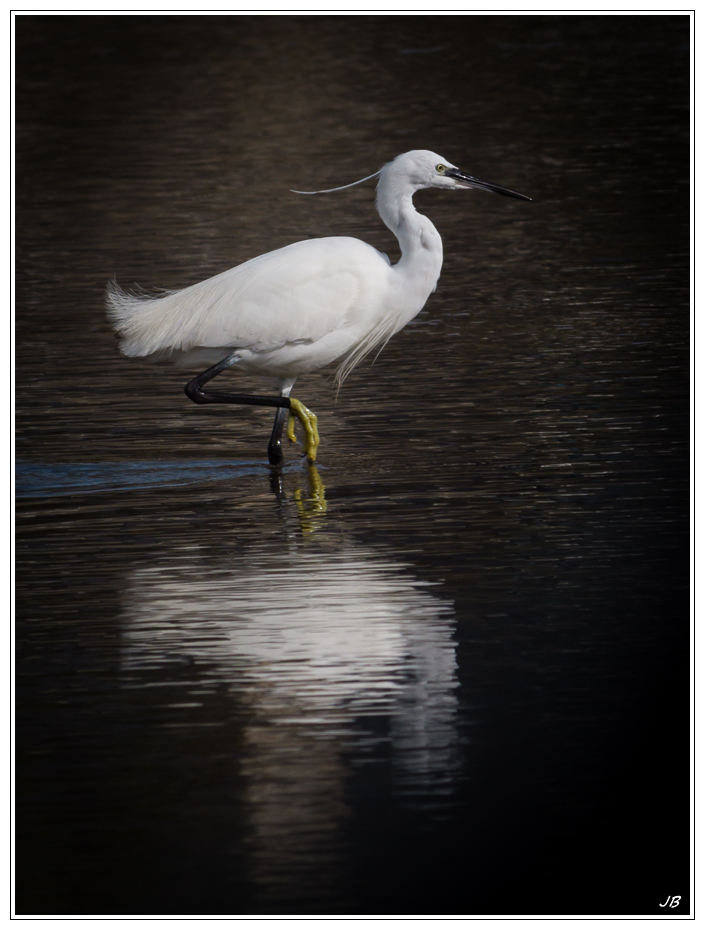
(483, 185)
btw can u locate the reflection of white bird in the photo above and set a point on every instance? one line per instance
(327, 635)
(332, 658)
(299, 308)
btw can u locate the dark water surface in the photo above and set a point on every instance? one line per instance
(446, 672)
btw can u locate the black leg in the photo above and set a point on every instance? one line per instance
(274, 449)
(194, 391)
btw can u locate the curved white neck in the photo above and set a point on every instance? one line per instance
(421, 245)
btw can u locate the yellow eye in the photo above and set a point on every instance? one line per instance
(440, 168)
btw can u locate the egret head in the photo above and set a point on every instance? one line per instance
(414, 170)
(428, 169)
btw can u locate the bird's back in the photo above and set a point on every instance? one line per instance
(297, 295)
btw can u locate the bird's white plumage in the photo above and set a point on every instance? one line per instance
(301, 306)
(306, 305)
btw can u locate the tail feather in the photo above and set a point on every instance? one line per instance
(139, 319)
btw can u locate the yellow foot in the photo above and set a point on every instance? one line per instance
(309, 422)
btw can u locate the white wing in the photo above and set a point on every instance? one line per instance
(293, 295)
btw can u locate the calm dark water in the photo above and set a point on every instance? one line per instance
(447, 672)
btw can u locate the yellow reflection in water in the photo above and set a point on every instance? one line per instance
(312, 507)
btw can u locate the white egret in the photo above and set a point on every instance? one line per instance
(301, 307)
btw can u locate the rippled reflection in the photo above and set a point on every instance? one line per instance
(331, 657)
